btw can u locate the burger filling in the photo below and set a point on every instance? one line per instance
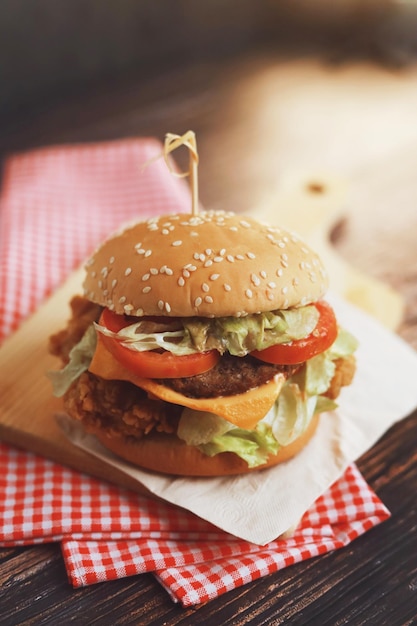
(204, 358)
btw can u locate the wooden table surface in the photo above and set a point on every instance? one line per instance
(260, 120)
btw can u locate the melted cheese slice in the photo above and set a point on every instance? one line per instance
(244, 410)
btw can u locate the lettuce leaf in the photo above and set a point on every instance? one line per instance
(79, 361)
(253, 446)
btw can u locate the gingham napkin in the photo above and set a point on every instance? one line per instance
(108, 532)
(56, 205)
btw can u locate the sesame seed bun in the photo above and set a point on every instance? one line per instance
(167, 454)
(213, 264)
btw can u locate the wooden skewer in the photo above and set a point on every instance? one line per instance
(172, 142)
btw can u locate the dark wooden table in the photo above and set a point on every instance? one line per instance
(257, 118)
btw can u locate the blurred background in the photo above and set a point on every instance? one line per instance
(275, 89)
(51, 47)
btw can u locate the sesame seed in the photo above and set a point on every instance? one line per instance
(227, 287)
(209, 251)
(177, 243)
(105, 292)
(146, 289)
(249, 293)
(114, 283)
(104, 272)
(218, 259)
(284, 290)
(198, 301)
(146, 277)
(186, 273)
(230, 258)
(240, 257)
(167, 307)
(168, 271)
(161, 305)
(208, 299)
(255, 280)
(284, 264)
(295, 282)
(205, 287)
(208, 263)
(141, 251)
(165, 231)
(181, 281)
(138, 246)
(128, 308)
(214, 276)
(279, 272)
(100, 284)
(196, 256)
(111, 260)
(93, 274)
(272, 285)
(262, 274)
(139, 312)
(148, 253)
(281, 244)
(234, 229)
(122, 299)
(154, 271)
(202, 257)
(250, 255)
(244, 224)
(128, 271)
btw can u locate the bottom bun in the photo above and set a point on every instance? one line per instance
(167, 454)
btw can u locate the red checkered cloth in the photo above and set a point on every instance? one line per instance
(108, 532)
(56, 205)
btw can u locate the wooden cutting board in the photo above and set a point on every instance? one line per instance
(27, 407)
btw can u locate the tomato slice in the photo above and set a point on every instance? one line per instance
(152, 363)
(301, 350)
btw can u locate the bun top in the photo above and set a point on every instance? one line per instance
(212, 264)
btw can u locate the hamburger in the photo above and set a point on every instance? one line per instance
(202, 345)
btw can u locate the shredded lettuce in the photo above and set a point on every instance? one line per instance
(79, 361)
(238, 336)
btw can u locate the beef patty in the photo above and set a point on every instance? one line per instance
(230, 376)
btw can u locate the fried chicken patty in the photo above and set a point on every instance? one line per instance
(118, 408)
